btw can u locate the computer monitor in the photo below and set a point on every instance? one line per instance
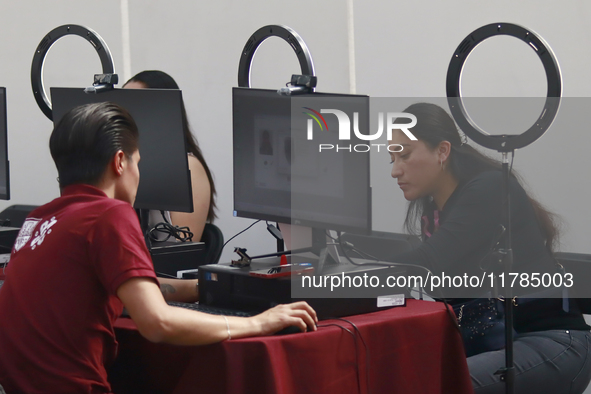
(282, 175)
(4, 165)
(165, 181)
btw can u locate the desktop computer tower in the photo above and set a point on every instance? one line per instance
(227, 286)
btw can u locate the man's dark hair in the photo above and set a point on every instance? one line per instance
(86, 139)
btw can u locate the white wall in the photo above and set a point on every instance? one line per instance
(402, 49)
(72, 62)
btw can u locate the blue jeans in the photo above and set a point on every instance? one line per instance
(553, 362)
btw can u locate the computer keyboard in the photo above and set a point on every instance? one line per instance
(212, 310)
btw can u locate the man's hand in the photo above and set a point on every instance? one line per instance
(298, 314)
(159, 322)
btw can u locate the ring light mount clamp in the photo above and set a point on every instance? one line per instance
(299, 84)
(304, 83)
(504, 143)
(102, 82)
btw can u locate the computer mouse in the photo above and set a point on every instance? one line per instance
(289, 330)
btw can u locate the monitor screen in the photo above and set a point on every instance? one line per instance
(4, 168)
(282, 173)
(165, 182)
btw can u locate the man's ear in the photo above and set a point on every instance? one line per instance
(119, 162)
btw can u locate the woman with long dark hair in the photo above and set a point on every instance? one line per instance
(455, 195)
(202, 180)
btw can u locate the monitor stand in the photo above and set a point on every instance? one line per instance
(327, 252)
(319, 247)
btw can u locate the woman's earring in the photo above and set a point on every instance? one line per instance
(441, 163)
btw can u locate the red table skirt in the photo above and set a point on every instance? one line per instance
(412, 349)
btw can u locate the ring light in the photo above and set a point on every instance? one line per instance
(37, 67)
(289, 35)
(504, 143)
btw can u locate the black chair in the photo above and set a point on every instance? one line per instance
(214, 240)
(15, 215)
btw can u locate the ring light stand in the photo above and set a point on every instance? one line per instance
(299, 84)
(289, 35)
(108, 78)
(505, 143)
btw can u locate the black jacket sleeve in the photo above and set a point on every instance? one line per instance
(470, 224)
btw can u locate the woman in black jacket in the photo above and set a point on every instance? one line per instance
(455, 195)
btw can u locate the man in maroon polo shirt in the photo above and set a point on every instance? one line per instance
(81, 258)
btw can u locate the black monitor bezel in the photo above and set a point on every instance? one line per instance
(286, 219)
(4, 136)
(174, 135)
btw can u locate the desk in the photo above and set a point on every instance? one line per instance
(413, 349)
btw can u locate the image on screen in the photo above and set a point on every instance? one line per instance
(280, 175)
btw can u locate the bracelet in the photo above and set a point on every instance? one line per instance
(227, 327)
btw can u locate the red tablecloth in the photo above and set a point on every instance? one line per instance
(413, 349)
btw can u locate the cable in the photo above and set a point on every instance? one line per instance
(378, 263)
(363, 254)
(354, 344)
(367, 358)
(168, 275)
(225, 243)
(183, 234)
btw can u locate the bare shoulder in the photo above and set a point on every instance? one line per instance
(195, 165)
(198, 174)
